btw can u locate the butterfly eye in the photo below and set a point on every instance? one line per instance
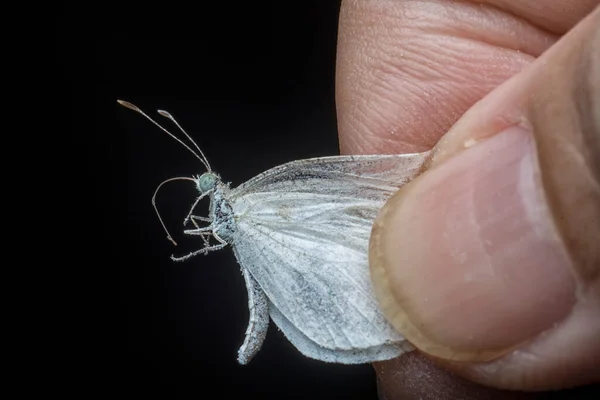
(206, 182)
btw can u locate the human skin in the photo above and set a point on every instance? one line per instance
(488, 262)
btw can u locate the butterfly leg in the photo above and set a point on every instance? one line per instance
(203, 250)
(258, 321)
(199, 231)
(189, 215)
(193, 218)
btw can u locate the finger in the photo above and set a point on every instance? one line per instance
(413, 376)
(407, 70)
(489, 261)
(394, 90)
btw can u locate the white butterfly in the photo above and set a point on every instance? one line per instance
(300, 232)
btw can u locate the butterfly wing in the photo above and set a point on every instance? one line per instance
(355, 356)
(302, 230)
(258, 319)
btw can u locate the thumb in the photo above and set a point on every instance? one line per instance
(489, 262)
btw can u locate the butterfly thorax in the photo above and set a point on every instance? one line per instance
(221, 213)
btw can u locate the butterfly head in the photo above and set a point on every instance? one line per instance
(206, 182)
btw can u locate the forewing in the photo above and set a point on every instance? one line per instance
(370, 176)
(302, 230)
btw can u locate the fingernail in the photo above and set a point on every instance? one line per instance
(466, 261)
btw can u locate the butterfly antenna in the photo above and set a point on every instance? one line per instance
(202, 159)
(182, 178)
(169, 116)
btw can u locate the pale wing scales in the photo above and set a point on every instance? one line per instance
(302, 231)
(373, 175)
(258, 319)
(320, 284)
(354, 356)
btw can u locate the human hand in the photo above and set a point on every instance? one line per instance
(489, 261)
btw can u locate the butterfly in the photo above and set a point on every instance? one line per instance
(300, 233)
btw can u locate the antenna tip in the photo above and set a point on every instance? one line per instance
(171, 240)
(165, 114)
(127, 105)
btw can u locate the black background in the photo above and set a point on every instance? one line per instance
(253, 83)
